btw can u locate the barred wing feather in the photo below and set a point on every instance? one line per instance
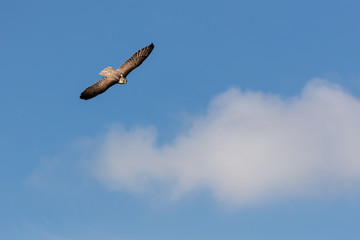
(136, 60)
(98, 87)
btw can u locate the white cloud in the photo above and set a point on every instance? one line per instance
(248, 147)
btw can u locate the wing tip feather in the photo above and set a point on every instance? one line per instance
(84, 96)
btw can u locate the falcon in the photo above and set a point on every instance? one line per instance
(113, 76)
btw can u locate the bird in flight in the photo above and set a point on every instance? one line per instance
(113, 76)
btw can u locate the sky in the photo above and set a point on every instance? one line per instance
(243, 123)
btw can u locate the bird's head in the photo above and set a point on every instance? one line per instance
(122, 80)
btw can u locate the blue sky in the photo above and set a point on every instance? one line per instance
(243, 123)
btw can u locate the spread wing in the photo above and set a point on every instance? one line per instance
(136, 60)
(98, 87)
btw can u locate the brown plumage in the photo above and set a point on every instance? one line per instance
(117, 76)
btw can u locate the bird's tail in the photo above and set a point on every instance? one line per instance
(107, 71)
